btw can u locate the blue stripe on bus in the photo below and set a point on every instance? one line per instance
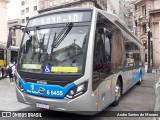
(136, 76)
(51, 91)
(143, 72)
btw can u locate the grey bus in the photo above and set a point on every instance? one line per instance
(77, 55)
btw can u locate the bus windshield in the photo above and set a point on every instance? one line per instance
(57, 50)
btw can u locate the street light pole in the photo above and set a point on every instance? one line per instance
(149, 62)
(149, 52)
(152, 49)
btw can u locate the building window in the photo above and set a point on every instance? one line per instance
(27, 1)
(27, 18)
(23, 20)
(34, 8)
(41, 5)
(144, 10)
(54, 2)
(62, 1)
(27, 10)
(136, 23)
(145, 44)
(135, 8)
(145, 57)
(144, 28)
(22, 12)
(22, 3)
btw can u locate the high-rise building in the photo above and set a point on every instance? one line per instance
(3, 21)
(130, 7)
(28, 9)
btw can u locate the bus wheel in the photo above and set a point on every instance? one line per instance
(140, 80)
(118, 93)
(1, 74)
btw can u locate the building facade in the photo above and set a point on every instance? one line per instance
(120, 8)
(3, 21)
(29, 8)
(47, 5)
(147, 18)
(130, 7)
(111, 6)
(155, 28)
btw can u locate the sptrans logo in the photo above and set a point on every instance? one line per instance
(21, 114)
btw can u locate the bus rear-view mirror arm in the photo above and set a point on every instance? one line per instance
(9, 41)
(11, 29)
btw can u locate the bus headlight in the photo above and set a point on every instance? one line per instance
(77, 90)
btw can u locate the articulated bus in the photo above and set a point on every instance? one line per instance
(77, 55)
(6, 55)
(3, 63)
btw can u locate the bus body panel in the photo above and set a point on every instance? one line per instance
(54, 104)
(105, 93)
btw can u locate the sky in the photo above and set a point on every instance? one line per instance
(14, 9)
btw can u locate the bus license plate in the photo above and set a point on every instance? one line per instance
(42, 105)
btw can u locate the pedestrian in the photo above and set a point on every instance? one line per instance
(11, 70)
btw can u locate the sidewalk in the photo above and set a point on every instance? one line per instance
(157, 91)
(8, 99)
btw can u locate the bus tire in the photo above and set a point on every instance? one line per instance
(118, 93)
(1, 74)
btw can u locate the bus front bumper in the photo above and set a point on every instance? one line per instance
(65, 104)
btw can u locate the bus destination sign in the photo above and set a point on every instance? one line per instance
(60, 18)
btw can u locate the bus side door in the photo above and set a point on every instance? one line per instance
(102, 68)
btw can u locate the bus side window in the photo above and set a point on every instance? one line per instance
(98, 60)
(102, 51)
(99, 51)
(107, 45)
(133, 57)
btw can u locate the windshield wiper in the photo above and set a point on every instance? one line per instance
(57, 40)
(35, 39)
(41, 47)
(35, 34)
(62, 35)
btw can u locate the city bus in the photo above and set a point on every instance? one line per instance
(77, 55)
(3, 63)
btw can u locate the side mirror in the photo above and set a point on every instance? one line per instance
(107, 33)
(9, 41)
(15, 27)
(100, 30)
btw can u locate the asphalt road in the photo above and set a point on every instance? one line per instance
(139, 98)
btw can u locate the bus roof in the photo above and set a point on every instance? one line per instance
(111, 17)
(124, 28)
(2, 46)
(13, 48)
